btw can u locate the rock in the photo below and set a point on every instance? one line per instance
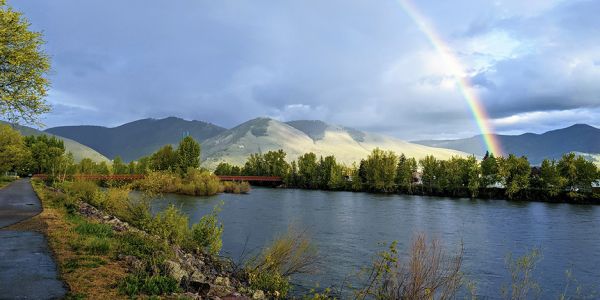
(134, 263)
(222, 281)
(174, 270)
(258, 294)
(197, 277)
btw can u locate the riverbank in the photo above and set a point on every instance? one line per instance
(103, 257)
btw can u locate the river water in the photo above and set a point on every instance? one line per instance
(349, 229)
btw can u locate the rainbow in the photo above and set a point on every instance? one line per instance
(479, 113)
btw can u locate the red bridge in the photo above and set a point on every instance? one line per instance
(250, 178)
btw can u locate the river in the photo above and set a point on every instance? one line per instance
(349, 229)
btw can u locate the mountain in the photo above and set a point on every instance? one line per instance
(139, 138)
(552, 144)
(79, 151)
(299, 137)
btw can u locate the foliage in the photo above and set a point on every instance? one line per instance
(13, 153)
(235, 187)
(171, 225)
(380, 170)
(428, 273)
(165, 159)
(289, 254)
(521, 270)
(515, 172)
(405, 171)
(188, 154)
(207, 233)
(224, 168)
(23, 81)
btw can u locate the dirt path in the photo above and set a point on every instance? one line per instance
(27, 269)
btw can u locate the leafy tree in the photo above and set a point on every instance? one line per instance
(515, 172)
(275, 164)
(380, 168)
(24, 66)
(489, 171)
(165, 159)
(405, 171)
(188, 154)
(430, 172)
(473, 172)
(550, 179)
(337, 177)
(118, 167)
(326, 168)
(255, 165)
(578, 172)
(143, 165)
(292, 178)
(13, 153)
(308, 174)
(45, 153)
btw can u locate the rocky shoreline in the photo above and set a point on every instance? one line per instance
(200, 276)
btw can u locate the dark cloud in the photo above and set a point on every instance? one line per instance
(354, 63)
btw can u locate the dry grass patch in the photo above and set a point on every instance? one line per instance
(87, 276)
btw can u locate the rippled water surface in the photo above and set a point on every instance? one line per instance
(348, 229)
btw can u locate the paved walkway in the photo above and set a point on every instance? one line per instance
(27, 270)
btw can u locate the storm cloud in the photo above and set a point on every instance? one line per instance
(363, 64)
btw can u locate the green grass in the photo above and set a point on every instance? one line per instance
(94, 229)
(83, 262)
(136, 284)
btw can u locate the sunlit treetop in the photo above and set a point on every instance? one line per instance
(23, 69)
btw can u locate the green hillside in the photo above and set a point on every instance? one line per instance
(78, 150)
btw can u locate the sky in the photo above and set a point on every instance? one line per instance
(535, 64)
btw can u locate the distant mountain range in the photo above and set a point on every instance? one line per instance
(133, 140)
(78, 150)
(581, 138)
(139, 138)
(143, 137)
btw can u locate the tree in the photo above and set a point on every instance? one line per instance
(165, 159)
(473, 173)
(326, 168)
(405, 171)
(515, 172)
(45, 153)
(255, 165)
(550, 179)
(23, 68)
(380, 169)
(118, 167)
(13, 153)
(188, 154)
(489, 171)
(275, 163)
(429, 169)
(308, 176)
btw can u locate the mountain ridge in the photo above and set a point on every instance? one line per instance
(581, 138)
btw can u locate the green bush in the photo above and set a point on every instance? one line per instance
(141, 283)
(207, 233)
(83, 190)
(235, 187)
(171, 225)
(271, 282)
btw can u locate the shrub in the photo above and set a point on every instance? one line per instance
(158, 182)
(206, 234)
(429, 273)
(205, 183)
(271, 282)
(171, 225)
(84, 190)
(235, 187)
(289, 254)
(521, 274)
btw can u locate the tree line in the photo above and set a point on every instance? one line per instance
(571, 178)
